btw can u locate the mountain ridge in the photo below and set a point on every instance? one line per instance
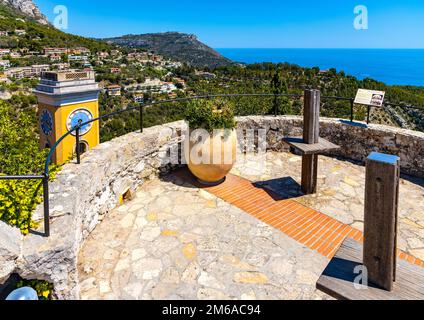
(180, 46)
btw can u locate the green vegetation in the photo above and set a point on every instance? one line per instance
(44, 289)
(210, 114)
(178, 46)
(39, 36)
(18, 199)
(279, 86)
(265, 78)
(129, 75)
(20, 155)
(288, 78)
(129, 121)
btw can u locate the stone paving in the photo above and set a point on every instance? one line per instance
(174, 241)
(341, 189)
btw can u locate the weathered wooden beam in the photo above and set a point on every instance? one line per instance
(381, 218)
(344, 278)
(323, 146)
(309, 173)
(312, 101)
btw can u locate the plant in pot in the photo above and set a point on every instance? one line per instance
(212, 142)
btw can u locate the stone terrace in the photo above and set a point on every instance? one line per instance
(174, 241)
(177, 241)
(242, 237)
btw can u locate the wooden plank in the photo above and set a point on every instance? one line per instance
(312, 102)
(304, 148)
(309, 173)
(380, 219)
(339, 277)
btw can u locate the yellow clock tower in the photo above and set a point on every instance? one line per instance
(66, 98)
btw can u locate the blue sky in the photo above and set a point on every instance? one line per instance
(252, 24)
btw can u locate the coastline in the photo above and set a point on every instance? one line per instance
(402, 67)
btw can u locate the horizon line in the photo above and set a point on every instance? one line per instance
(317, 48)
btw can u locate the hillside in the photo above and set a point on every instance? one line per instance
(37, 33)
(27, 8)
(179, 46)
(228, 76)
(257, 78)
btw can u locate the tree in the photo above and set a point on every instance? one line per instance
(19, 149)
(19, 155)
(279, 86)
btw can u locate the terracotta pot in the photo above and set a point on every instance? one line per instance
(211, 159)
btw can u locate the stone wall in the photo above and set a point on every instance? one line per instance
(357, 140)
(80, 196)
(83, 194)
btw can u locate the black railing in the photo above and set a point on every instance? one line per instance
(45, 177)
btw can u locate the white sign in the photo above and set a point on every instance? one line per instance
(370, 97)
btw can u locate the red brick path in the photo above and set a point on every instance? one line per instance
(309, 227)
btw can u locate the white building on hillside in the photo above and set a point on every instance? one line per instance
(5, 64)
(4, 52)
(72, 57)
(37, 69)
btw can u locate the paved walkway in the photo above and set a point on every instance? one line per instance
(174, 241)
(341, 190)
(307, 226)
(313, 229)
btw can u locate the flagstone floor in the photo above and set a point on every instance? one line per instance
(176, 241)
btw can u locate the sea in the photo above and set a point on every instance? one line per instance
(391, 66)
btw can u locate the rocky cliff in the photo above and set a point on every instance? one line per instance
(28, 8)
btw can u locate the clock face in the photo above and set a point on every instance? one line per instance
(46, 122)
(80, 116)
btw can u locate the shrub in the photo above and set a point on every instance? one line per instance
(44, 289)
(19, 155)
(210, 114)
(18, 199)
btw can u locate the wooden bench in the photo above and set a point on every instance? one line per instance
(338, 279)
(304, 148)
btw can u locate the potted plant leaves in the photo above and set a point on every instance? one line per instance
(212, 142)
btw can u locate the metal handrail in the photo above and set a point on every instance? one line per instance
(29, 177)
(46, 175)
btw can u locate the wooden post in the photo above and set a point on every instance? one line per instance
(309, 173)
(310, 136)
(381, 218)
(311, 116)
